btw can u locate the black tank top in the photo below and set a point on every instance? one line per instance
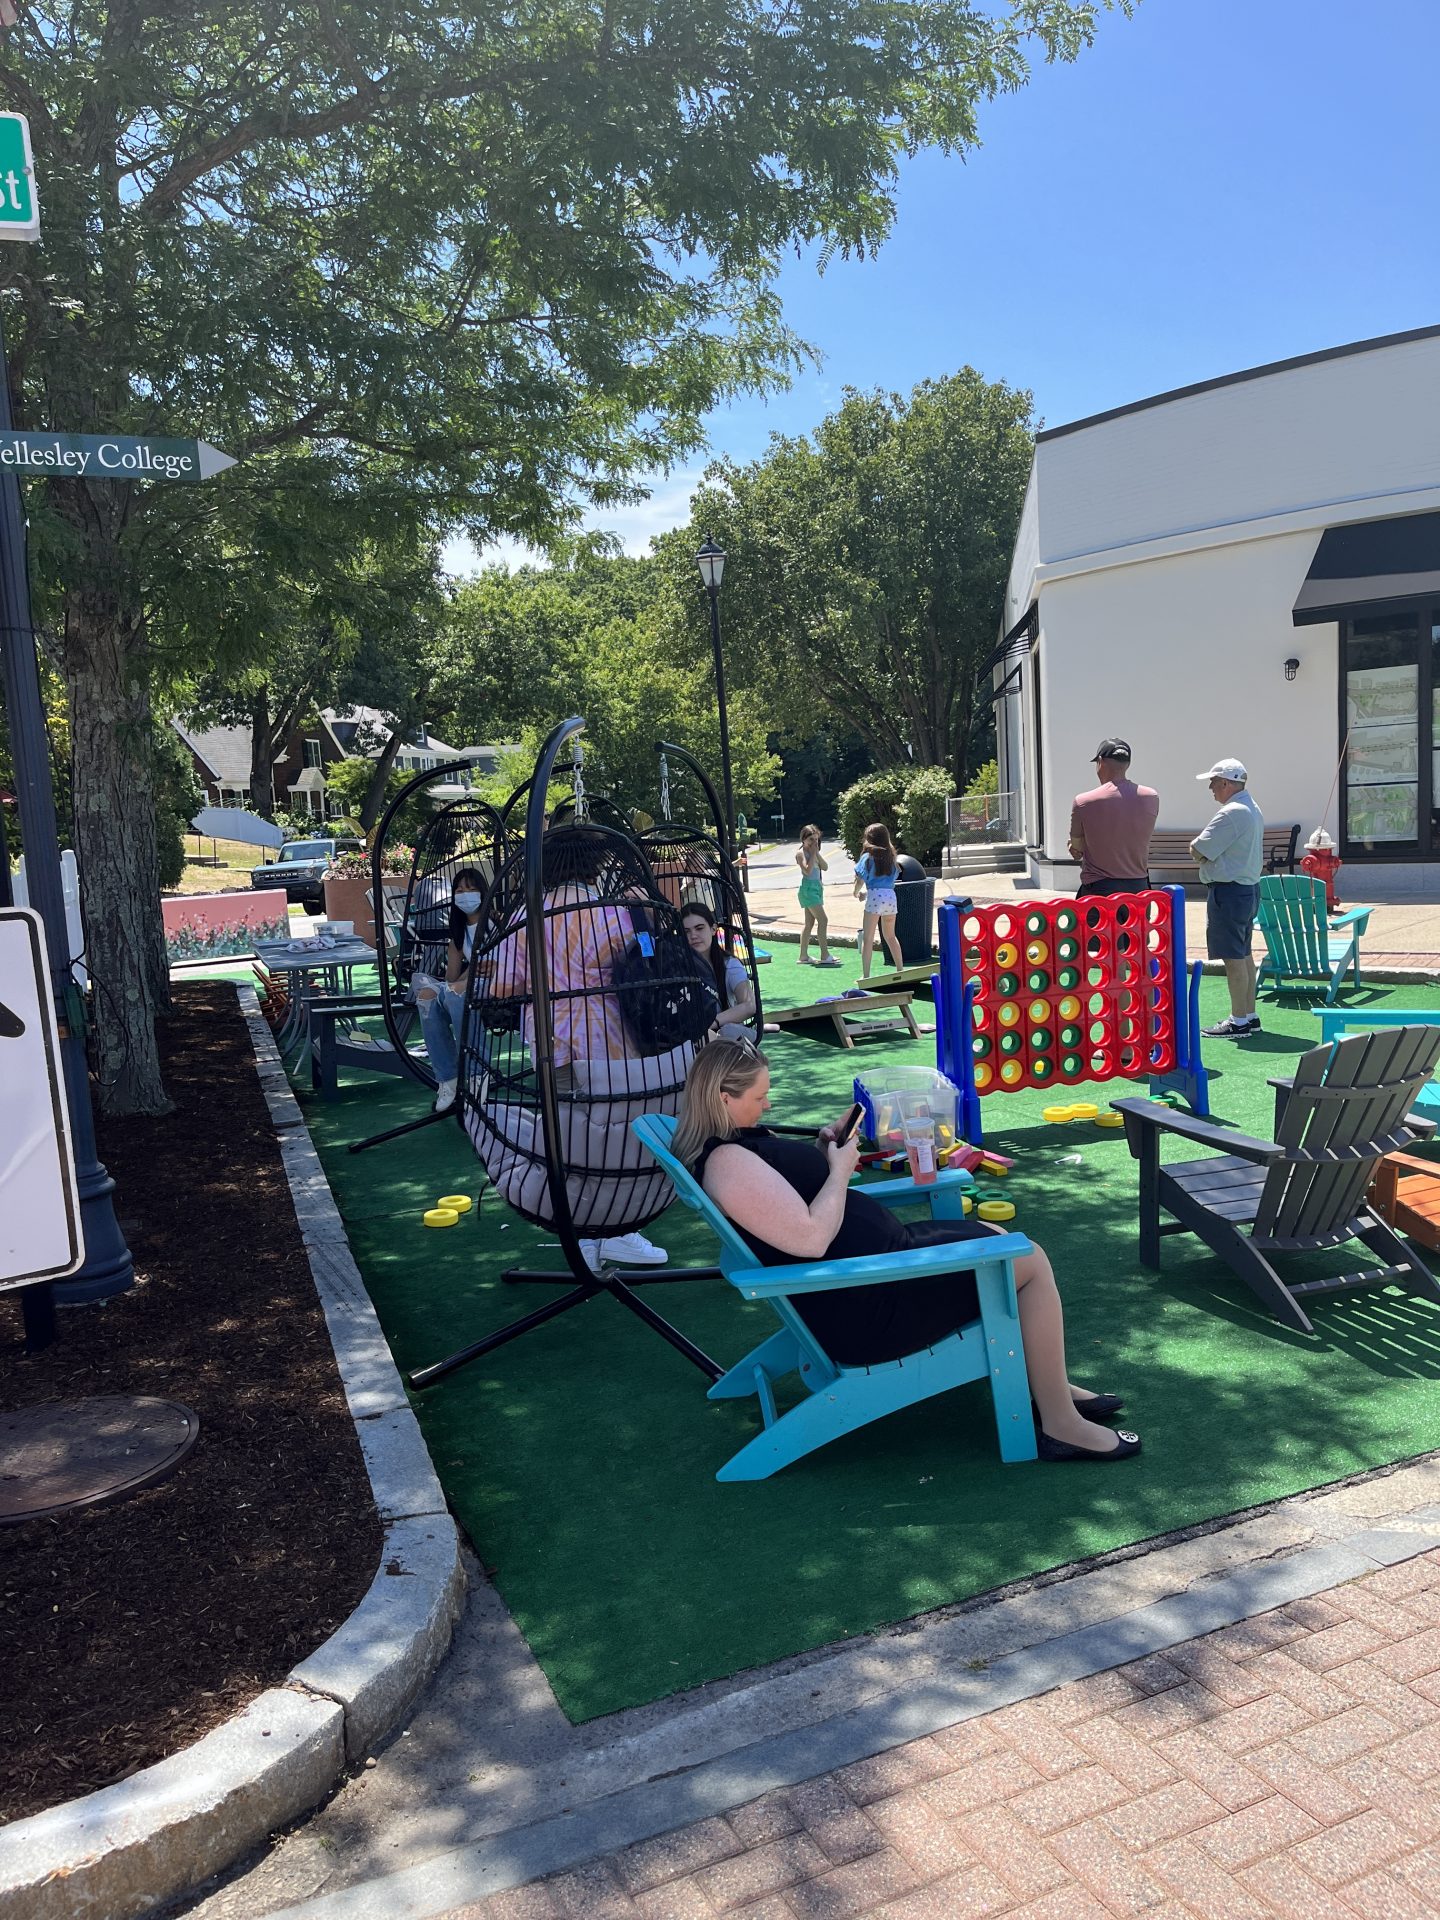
(867, 1227)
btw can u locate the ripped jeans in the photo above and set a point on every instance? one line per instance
(440, 1015)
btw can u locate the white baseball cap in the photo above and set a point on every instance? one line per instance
(1226, 770)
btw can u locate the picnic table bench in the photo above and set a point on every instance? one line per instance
(1170, 852)
(853, 1017)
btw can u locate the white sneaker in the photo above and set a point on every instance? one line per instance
(623, 1250)
(445, 1096)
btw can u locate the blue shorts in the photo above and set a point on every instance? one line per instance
(1230, 919)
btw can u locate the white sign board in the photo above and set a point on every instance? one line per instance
(39, 1201)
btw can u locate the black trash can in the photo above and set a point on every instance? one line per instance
(914, 911)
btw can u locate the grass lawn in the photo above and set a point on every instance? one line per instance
(581, 1459)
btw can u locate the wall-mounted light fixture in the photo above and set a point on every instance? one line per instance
(1292, 667)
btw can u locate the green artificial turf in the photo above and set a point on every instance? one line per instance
(581, 1458)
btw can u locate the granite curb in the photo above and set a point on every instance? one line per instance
(129, 1847)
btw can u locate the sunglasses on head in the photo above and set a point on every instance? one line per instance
(740, 1040)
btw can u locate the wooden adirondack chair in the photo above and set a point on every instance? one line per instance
(841, 1398)
(1300, 941)
(1303, 1191)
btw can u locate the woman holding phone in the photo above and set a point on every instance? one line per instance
(791, 1201)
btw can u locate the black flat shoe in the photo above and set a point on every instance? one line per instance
(1100, 1406)
(1048, 1449)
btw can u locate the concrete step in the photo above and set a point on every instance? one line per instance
(1003, 857)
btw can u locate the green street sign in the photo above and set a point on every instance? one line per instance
(19, 202)
(112, 456)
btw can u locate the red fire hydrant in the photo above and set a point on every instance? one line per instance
(1321, 862)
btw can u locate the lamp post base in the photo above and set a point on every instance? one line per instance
(108, 1267)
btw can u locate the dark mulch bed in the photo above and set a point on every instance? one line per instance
(127, 1632)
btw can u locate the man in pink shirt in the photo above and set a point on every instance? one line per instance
(1110, 826)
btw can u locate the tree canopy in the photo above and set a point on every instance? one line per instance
(500, 261)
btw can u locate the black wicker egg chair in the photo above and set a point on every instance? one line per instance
(412, 917)
(584, 1011)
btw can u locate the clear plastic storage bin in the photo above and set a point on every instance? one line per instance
(892, 1095)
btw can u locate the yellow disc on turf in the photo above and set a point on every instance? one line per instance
(1084, 1110)
(1109, 1119)
(456, 1202)
(967, 1205)
(1055, 1115)
(996, 1210)
(440, 1216)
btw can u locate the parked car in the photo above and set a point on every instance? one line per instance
(300, 869)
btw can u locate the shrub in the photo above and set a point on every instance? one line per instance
(985, 779)
(922, 813)
(911, 803)
(876, 796)
(395, 864)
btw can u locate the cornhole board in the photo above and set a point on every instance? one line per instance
(852, 1018)
(920, 975)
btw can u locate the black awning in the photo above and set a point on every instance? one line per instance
(1018, 641)
(1369, 565)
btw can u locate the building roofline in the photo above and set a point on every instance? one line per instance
(1234, 379)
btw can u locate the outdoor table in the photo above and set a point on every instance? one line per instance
(853, 1016)
(308, 964)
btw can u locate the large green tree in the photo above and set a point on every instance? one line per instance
(509, 256)
(868, 561)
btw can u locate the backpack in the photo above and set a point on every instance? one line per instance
(663, 1001)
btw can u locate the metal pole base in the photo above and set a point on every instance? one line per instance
(394, 1133)
(37, 1308)
(632, 1277)
(109, 1267)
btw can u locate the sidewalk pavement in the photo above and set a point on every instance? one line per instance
(1403, 936)
(1287, 1765)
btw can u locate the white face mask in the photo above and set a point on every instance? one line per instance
(468, 902)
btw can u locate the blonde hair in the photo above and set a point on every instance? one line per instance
(725, 1066)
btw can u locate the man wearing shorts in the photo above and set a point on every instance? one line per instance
(1230, 854)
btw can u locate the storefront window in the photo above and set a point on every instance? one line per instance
(1383, 712)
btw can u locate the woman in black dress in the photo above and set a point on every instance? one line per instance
(791, 1201)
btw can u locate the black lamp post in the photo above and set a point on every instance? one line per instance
(711, 562)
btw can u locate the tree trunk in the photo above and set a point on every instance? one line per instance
(374, 803)
(114, 802)
(262, 757)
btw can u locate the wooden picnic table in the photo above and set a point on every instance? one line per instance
(853, 1017)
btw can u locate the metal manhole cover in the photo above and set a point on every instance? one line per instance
(75, 1453)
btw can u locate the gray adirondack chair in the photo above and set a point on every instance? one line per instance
(1305, 1189)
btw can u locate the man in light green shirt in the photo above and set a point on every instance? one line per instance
(1230, 854)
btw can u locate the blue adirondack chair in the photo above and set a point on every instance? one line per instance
(1300, 941)
(842, 1398)
(1335, 1021)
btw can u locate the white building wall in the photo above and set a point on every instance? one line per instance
(1184, 658)
(1345, 428)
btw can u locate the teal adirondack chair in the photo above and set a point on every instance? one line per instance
(1300, 941)
(842, 1398)
(1337, 1021)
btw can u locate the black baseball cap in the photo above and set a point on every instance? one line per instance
(1112, 749)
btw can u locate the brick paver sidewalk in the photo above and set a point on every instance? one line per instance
(1288, 1765)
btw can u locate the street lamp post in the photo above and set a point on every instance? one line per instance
(711, 562)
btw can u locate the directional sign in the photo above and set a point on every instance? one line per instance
(19, 202)
(40, 1235)
(108, 456)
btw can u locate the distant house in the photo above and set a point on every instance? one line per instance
(1246, 567)
(366, 731)
(221, 757)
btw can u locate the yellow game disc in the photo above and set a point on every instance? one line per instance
(983, 1075)
(457, 1202)
(996, 1210)
(1009, 1013)
(1084, 1110)
(1055, 1115)
(1109, 1119)
(1006, 956)
(1037, 953)
(440, 1216)
(1011, 1071)
(967, 1205)
(1069, 1007)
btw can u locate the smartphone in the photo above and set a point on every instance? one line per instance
(851, 1122)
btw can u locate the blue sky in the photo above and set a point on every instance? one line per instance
(1214, 184)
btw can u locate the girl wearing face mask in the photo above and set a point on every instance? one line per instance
(442, 1003)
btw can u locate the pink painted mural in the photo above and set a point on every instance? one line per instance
(216, 926)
